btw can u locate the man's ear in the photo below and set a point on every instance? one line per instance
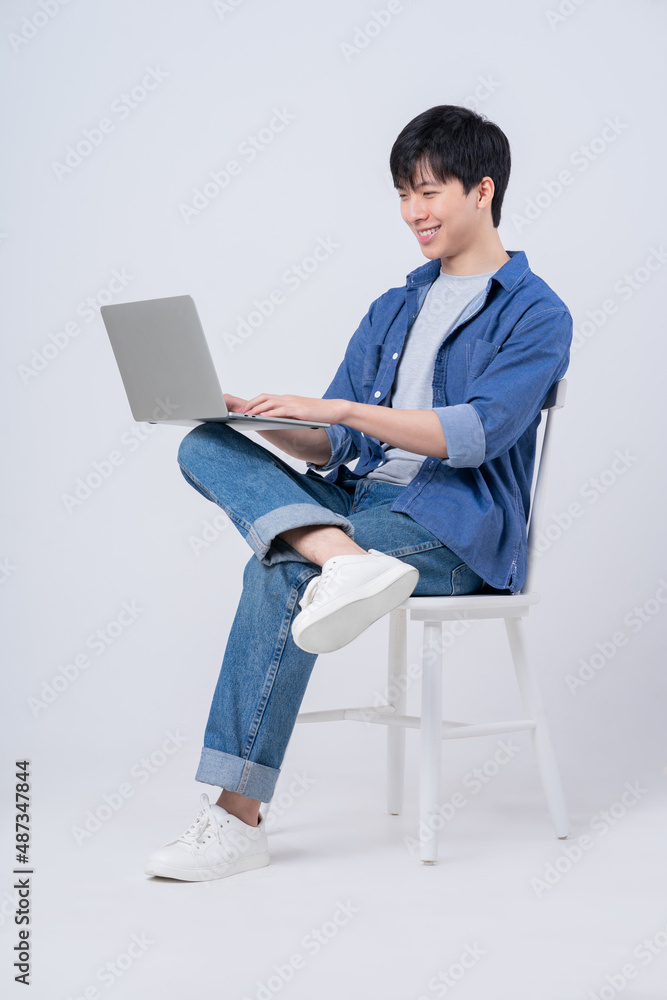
(485, 192)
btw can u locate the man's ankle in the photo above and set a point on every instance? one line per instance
(234, 803)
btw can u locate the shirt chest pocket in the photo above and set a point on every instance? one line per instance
(371, 363)
(479, 354)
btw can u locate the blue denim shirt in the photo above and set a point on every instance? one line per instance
(491, 375)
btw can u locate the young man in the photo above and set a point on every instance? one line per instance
(439, 397)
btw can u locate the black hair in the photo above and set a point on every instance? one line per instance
(454, 142)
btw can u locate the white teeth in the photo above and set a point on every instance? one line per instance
(429, 232)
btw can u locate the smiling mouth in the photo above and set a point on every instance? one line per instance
(424, 235)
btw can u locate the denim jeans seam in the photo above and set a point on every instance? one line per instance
(245, 776)
(373, 489)
(360, 493)
(454, 578)
(409, 550)
(271, 673)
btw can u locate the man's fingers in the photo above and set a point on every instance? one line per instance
(261, 398)
(234, 403)
(264, 397)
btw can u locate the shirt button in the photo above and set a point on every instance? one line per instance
(377, 394)
(394, 356)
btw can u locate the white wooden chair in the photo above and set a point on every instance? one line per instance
(432, 611)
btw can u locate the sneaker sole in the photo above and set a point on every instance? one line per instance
(203, 874)
(340, 625)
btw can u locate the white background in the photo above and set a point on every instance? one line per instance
(552, 82)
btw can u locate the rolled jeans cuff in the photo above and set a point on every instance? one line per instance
(236, 774)
(271, 550)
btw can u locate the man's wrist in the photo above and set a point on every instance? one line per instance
(346, 409)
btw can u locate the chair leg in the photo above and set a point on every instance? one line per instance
(431, 743)
(546, 759)
(397, 696)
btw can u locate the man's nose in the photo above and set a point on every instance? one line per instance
(416, 209)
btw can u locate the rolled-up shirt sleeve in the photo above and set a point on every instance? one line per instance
(464, 435)
(343, 448)
(506, 397)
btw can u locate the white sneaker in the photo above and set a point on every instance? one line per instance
(217, 844)
(351, 593)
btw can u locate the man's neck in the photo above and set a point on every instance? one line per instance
(479, 259)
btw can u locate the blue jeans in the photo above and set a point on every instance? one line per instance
(264, 673)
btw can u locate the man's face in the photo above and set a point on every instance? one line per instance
(444, 220)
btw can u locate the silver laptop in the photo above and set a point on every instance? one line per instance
(167, 368)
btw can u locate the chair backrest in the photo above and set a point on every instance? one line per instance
(554, 401)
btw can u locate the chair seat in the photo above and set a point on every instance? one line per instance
(452, 608)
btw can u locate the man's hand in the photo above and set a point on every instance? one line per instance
(330, 411)
(234, 403)
(306, 443)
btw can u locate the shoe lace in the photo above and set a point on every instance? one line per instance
(318, 588)
(206, 827)
(205, 820)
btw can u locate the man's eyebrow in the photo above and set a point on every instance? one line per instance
(421, 184)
